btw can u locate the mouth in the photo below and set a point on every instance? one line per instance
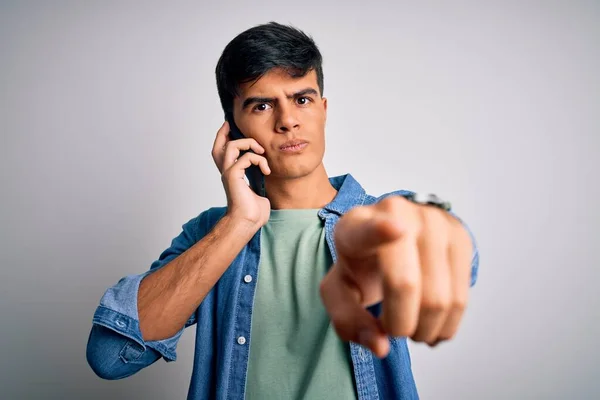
(293, 146)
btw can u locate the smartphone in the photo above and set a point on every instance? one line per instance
(256, 178)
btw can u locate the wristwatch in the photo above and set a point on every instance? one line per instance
(429, 199)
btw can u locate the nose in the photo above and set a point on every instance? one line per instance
(286, 120)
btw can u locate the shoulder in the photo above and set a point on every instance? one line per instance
(201, 224)
(359, 193)
(371, 199)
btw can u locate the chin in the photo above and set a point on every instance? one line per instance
(294, 172)
(289, 174)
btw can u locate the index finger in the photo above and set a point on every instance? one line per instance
(362, 230)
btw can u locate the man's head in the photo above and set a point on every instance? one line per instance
(270, 78)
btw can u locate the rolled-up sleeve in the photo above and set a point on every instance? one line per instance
(115, 347)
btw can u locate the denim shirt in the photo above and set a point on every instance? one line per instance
(116, 348)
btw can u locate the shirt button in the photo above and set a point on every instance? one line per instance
(120, 323)
(248, 278)
(241, 340)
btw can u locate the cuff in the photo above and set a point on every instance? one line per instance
(130, 328)
(118, 311)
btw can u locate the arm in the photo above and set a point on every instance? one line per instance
(168, 297)
(142, 317)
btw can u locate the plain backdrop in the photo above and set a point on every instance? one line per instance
(108, 111)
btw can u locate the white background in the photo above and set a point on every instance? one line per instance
(108, 111)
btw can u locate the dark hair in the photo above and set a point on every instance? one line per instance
(255, 51)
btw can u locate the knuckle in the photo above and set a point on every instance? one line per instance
(409, 213)
(323, 287)
(342, 327)
(229, 150)
(418, 337)
(444, 336)
(435, 215)
(435, 305)
(448, 335)
(404, 284)
(429, 337)
(407, 329)
(337, 321)
(459, 304)
(246, 156)
(433, 342)
(410, 330)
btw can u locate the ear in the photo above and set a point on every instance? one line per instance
(325, 107)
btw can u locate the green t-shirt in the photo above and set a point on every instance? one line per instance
(294, 350)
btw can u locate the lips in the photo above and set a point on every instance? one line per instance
(291, 144)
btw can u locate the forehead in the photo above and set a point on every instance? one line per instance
(277, 80)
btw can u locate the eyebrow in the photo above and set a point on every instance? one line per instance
(253, 100)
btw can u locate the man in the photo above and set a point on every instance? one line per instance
(345, 277)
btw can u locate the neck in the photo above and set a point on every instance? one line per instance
(310, 191)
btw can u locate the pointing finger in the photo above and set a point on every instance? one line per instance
(362, 230)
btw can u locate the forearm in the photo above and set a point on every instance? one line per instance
(168, 297)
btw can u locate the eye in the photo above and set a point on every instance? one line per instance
(304, 100)
(261, 107)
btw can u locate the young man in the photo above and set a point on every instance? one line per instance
(307, 293)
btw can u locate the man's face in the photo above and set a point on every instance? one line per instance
(277, 108)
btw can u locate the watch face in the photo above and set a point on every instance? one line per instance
(430, 199)
(422, 198)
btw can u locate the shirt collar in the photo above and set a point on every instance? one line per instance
(350, 194)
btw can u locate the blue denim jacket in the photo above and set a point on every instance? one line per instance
(116, 349)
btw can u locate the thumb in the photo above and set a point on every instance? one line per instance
(350, 319)
(374, 338)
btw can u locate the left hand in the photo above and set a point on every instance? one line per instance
(416, 259)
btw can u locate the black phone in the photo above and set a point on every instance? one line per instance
(256, 178)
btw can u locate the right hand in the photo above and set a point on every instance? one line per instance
(242, 202)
